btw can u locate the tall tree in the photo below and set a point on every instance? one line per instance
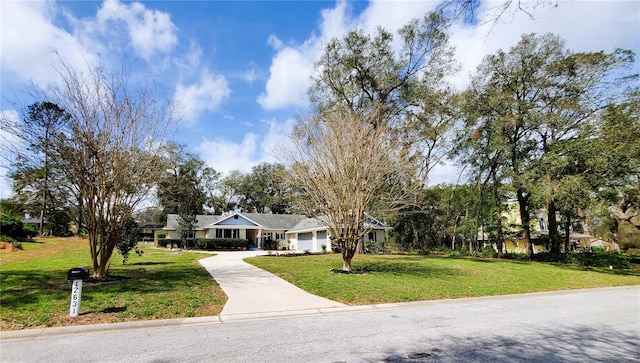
(405, 89)
(31, 169)
(264, 189)
(402, 89)
(617, 161)
(536, 97)
(180, 190)
(345, 166)
(110, 150)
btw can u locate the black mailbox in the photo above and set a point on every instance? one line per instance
(78, 273)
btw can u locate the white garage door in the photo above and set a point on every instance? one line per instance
(305, 241)
(321, 237)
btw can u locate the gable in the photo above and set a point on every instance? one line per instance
(236, 220)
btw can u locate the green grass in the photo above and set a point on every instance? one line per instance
(395, 278)
(160, 284)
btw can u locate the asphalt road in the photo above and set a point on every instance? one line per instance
(598, 325)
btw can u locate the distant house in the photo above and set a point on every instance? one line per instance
(292, 231)
(539, 230)
(148, 229)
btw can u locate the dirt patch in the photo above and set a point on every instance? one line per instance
(352, 272)
(8, 247)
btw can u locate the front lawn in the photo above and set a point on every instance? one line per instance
(160, 284)
(395, 278)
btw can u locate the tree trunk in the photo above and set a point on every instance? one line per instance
(525, 217)
(567, 231)
(416, 237)
(614, 230)
(360, 247)
(347, 255)
(553, 229)
(498, 203)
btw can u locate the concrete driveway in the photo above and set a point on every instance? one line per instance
(258, 293)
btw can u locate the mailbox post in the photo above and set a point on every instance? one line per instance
(76, 275)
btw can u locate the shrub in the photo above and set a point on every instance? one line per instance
(12, 226)
(221, 243)
(128, 239)
(162, 243)
(30, 230)
(599, 259)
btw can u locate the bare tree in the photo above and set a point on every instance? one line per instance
(110, 150)
(344, 166)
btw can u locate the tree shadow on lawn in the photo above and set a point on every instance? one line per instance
(22, 288)
(403, 268)
(634, 271)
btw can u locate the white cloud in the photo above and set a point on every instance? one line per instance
(150, 31)
(289, 80)
(224, 155)
(276, 141)
(251, 74)
(206, 95)
(584, 25)
(292, 66)
(32, 44)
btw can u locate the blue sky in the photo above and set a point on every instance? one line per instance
(238, 70)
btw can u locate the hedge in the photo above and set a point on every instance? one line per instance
(222, 243)
(207, 243)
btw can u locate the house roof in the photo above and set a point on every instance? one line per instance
(274, 221)
(310, 224)
(264, 221)
(286, 222)
(202, 220)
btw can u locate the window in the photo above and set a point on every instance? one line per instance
(227, 233)
(543, 225)
(279, 236)
(372, 236)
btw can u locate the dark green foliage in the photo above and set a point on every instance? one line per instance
(128, 239)
(12, 226)
(599, 258)
(30, 229)
(221, 243)
(208, 243)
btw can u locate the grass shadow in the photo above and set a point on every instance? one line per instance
(401, 267)
(149, 263)
(21, 288)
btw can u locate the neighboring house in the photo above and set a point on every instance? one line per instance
(148, 229)
(293, 231)
(35, 223)
(539, 230)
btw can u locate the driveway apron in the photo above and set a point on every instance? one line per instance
(255, 291)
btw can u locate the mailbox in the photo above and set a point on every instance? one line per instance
(78, 273)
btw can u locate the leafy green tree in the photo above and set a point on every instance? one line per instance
(402, 92)
(36, 180)
(180, 190)
(265, 189)
(151, 214)
(526, 104)
(128, 239)
(618, 160)
(12, 226)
